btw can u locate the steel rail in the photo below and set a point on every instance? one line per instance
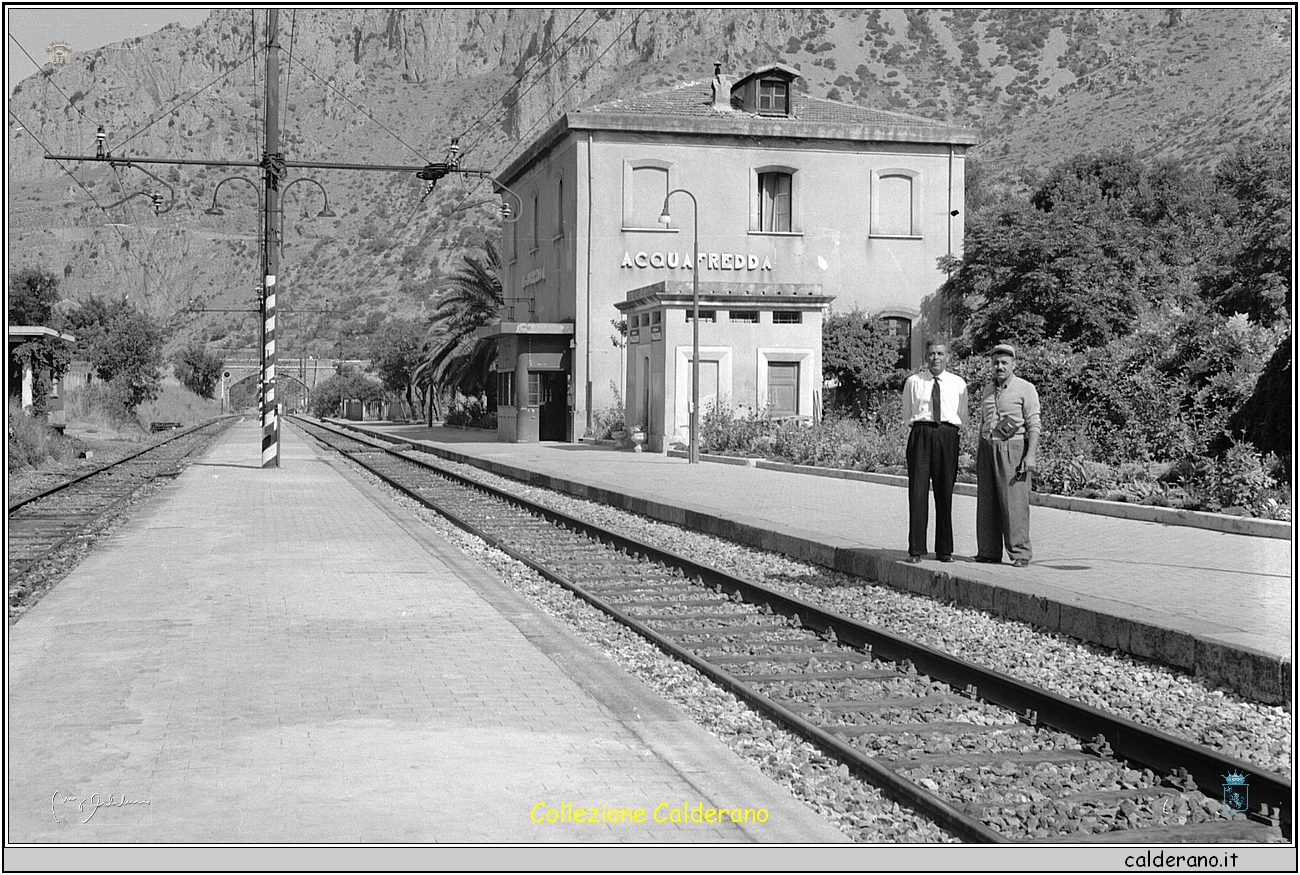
(1150, 748)
(81, 521)
(108, 465)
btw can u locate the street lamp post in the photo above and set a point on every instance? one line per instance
(693, 450)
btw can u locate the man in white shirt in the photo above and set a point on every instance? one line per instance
(934, 405)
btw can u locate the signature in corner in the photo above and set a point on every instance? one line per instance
(94, 801)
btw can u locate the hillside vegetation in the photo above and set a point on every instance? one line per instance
(393, 86)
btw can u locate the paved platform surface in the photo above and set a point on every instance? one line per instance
(278, 656)
(1218, 604)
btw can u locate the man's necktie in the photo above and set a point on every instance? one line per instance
(934, 401)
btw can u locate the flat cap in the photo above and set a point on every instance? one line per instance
(1003, 349)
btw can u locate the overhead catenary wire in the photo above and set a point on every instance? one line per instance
(470, 191)
(545, 115)
(288, 72)
(534, 63)
(159, 115)
(83, 187)
(50, 80)
(321, 79)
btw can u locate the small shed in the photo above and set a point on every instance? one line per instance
(760, 353)
(534, 393)
(22, 378)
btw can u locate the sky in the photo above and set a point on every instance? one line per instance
(84, 28)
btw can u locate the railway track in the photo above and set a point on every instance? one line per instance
(40, 524)
(988, 757)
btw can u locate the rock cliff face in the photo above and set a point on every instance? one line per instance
(394, 85)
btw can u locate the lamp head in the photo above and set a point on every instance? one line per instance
(664, 218)
(326, 213)
(214, 210)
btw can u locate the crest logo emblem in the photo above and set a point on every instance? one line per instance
(1236, 793)
(60, 53)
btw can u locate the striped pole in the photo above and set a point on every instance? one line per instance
(273, 169)
(270, 412)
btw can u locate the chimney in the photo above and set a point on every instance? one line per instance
(721, 89)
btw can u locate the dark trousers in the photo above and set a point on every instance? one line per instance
(932, 452)
(1002, 508)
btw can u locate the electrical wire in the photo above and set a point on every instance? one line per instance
(51, 81)
(534, 63)
(161, 114)
(544, 117)
(288, 72)
(91, 194)
(581, 76)
(469, 192)
(505, 109)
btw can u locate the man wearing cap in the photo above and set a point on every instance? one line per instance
(934, 402)
(1009, 426)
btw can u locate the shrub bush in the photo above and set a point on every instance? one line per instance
(467, 412)
(32, 442)
(610, 419)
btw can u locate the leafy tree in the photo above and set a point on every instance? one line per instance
(328, 395)
(1266, 417)
(860, 353)
(1255, 274)
(395, 353)
(33, 292)
(124, 345)
(457, 360)
(1101, 240)
(197, 369)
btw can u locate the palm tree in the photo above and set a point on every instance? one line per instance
(457, 360)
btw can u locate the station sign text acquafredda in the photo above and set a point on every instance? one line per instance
(707, 261)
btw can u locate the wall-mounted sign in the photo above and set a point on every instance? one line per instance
(533, 277)
(707, 261)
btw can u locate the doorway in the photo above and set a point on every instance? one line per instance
(551, 412)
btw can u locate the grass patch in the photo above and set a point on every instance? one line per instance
(32, 443)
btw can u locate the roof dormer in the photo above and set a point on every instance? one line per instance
(766, 91)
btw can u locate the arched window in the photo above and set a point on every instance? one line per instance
(645, 185)
(900, 329)
(895, 203)
(774, 201)
(772, 205)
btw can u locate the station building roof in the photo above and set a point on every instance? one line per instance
(692, 109)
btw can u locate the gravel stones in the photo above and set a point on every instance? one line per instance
(1146, 693)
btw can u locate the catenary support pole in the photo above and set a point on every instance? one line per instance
(273, 168)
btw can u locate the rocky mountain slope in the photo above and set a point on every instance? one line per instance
(393, 86)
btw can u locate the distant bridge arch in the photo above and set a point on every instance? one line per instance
(294, 378)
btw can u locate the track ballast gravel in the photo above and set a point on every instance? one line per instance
(1144, 692)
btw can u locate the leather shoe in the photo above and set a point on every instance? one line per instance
(988, 560)
(912, 559)
(946, 557)
(1020, 563)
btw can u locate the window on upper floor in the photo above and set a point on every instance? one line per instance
(537, 240)
(773, 97)
(743, 316)
(895, 203)
(645, 185)
(559, 209)
(774, 201)
(787, 317)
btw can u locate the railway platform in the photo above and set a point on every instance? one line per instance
(279, 656)
(1217, 604)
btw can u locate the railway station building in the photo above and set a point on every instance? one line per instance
(803, 204)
